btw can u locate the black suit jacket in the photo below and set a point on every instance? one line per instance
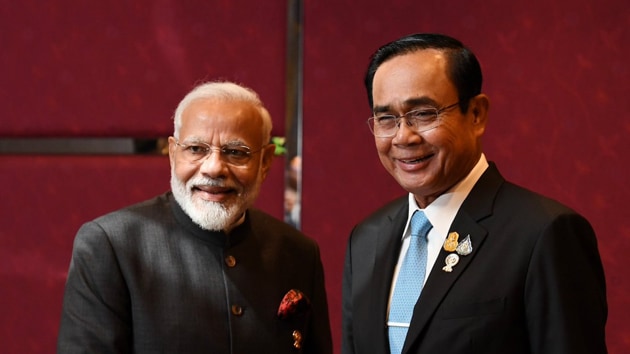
(146, 279)
(533, 283)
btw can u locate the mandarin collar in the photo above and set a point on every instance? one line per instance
(217, 238)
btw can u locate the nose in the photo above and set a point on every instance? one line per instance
(213, 165)
(405, 134)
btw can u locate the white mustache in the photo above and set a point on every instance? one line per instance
(207, 182)
(210, 182)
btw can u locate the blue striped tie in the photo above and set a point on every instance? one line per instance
(409, 282)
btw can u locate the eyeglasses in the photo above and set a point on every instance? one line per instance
(236, 155)
(419, 120)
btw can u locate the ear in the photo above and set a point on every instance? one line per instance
(268, 154)
(479, 107)
(172, 147)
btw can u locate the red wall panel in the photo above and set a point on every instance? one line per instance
(119, 68)
(44, 201)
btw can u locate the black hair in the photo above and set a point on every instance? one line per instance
(463, 68)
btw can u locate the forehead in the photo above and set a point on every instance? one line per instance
(220, 121)
(420, 75)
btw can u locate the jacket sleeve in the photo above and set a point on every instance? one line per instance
(565, 292)
(96, 307)
(320, 331)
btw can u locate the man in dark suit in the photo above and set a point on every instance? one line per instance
(198, 270)
(507, 270)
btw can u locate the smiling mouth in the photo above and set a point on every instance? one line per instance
(418, 160)
(213, 190)
(213, 193)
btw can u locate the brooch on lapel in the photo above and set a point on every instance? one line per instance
(462, 248)
(294, 304)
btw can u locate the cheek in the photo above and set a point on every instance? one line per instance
(445, 140)
(382, 146)
(184, 171)
(456, 152)
(245, 177)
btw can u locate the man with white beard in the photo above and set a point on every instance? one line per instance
(198, 269)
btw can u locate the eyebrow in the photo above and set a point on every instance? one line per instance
(411, 102)
(196, 140)
(235, 143)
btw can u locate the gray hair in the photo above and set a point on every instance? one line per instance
(227, 91)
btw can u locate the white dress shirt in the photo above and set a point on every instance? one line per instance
(441, 213)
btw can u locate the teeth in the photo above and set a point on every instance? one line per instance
(415, 160)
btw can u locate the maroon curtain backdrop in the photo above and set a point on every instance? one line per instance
(555, 73)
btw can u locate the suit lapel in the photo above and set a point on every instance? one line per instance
(478, 205)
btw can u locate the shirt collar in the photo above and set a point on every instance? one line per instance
(442, 211)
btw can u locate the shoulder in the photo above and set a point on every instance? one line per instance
(152, 214)
(280, 241)
(530, 202)
(385, 214)
(520, 211)
(387, 219)
(269, 227)
(151, 208)
(508, 197)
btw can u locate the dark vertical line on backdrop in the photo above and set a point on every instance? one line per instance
(294, 80)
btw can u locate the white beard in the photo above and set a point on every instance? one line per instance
(213, 216)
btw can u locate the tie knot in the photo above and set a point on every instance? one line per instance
(420, 225)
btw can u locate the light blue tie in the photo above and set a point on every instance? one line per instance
(409, 282)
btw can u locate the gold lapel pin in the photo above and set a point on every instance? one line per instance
(450, 244)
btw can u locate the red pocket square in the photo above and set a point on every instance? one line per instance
(294, 302)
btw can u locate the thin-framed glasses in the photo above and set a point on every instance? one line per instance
(419, 120)
(236, 155)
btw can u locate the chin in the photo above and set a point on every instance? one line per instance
(209, 215)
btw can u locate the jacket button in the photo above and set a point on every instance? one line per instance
(230, 261)
(237, 310)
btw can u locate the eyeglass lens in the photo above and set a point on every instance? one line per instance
(419, 120)
(234, 155)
